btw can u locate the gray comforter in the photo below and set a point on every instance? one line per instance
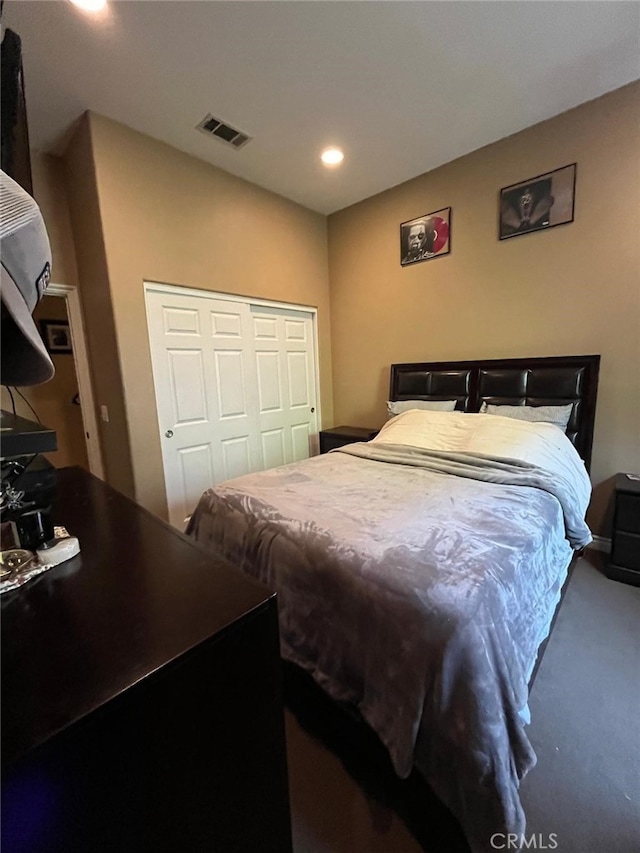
(418, 587)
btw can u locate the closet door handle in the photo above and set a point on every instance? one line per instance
(312, 409)
(169, 433)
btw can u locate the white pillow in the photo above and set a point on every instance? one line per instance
(395, 407)
(557, 415)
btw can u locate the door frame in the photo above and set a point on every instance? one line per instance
(176, 289)
(79, 348)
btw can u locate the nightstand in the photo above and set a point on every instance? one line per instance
(341, 435)
(624, 564)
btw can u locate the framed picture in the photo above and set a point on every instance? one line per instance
(55, 334)
(425, 237)
(538, 203)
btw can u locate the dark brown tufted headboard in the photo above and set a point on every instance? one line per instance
(556, 380)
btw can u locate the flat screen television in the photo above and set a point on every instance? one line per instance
(15, 156)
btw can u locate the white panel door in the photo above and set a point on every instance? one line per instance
(286, 383)
(235, 389)
(237, 450)
(204, 378)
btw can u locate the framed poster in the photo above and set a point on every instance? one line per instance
(55, 334)
(425, 237)
(538, 203)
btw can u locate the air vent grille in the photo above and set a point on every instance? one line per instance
(222, 131)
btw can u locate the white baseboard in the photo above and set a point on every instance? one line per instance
(601, 543)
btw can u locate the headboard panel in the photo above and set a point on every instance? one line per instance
(433, 385)
(556, 381)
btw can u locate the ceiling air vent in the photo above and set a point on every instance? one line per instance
(224, 132)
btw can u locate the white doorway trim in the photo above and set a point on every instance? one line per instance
(158, 287)
(85, 389)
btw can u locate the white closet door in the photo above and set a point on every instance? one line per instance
(234, 439)
(235, 390)
(286, 383)
(206, 402)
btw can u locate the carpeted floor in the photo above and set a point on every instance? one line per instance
(585, 720)
(582, 797)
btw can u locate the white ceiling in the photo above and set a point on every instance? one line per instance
(401, 86)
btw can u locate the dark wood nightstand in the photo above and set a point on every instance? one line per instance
(341, 435)
(624, 564)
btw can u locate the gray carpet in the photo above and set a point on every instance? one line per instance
(582, 797)
(585, 709)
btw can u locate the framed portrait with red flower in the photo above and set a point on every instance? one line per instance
(425, 237)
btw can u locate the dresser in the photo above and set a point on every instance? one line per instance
(141, 694)
(624, 564)
(341, 435)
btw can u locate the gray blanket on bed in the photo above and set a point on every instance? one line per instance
(479, 466)
(417, 596)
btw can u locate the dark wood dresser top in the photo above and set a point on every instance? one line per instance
(625, 484)
(138, 596)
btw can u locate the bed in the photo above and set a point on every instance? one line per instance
(418, 573)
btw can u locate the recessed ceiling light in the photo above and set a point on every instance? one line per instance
(89, 5)
(332, 156)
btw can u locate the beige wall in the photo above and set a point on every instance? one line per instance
(97, 306)
(49, 190)
(574, 289)
(65, 192)
(164, 216)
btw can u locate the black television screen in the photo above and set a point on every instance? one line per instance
(15, 156)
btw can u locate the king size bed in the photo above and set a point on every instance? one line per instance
(418, 573)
